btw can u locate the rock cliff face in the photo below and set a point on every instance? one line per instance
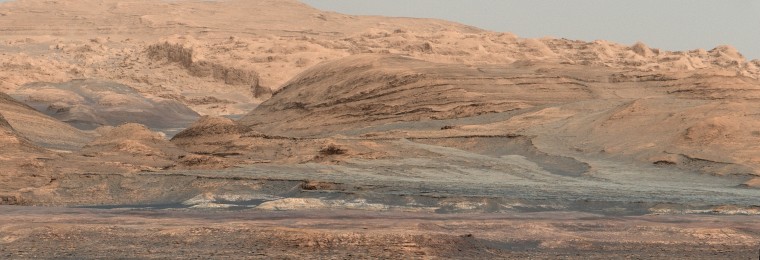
(176, 53)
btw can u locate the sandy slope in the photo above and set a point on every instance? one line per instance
(39, 128)
(693, 120)
(88, 104)
(10, 138)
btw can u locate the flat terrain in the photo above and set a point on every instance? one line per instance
(85, 233)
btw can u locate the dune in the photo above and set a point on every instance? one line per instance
(89, 104)
(41, 129)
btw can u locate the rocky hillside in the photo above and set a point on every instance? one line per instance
(280, 84)
(231, 48)
(697, 120)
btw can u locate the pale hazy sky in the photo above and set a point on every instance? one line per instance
(666, 24)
